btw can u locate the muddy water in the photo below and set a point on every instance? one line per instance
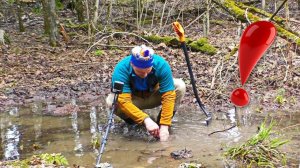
(31, 130)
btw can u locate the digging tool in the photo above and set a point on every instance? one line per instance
(180, 32)
(116, 89)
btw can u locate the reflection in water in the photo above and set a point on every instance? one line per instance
(12, 138)
(93, 116)
(93, 124)
(14, 112)
(234, 132)
(246, 116)
(240, 117)
(37, 109)
(74, 118)
(10, 135)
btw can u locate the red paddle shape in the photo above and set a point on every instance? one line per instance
(255, 41)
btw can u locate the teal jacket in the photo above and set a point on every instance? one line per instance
(124, 72)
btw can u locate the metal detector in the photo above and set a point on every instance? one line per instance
(116, 89)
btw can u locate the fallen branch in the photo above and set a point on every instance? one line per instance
(111, 35)
(222, 130)
(291, 126)
(214, 74)
(232, 8)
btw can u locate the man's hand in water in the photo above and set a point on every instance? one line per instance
(152, 127)
(164, 133)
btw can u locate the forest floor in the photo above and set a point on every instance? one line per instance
(31, 69)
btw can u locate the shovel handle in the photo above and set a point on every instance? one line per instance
(179, 31)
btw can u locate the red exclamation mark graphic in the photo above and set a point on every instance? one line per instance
(255, 41)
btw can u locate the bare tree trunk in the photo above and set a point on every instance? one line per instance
(88, 19)
(53, 27)
(102, 9)
(208, 16)
(169, 14)
(239, 30)
(146, 13)
(2, 41)
(162, 15)
(46, 16)
(206, 23)
(263, 4)
(287, 14)
(96, 12)
(137, 14)
(153, 14)
(141, 12)
(108, 16)
(79, 7)
(19, 14)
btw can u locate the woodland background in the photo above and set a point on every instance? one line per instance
(62, 49)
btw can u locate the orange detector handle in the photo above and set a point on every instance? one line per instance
(179, 31)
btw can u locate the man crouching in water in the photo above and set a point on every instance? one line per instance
(148, 83)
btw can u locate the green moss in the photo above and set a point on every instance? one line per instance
(42, 160)
(55, 158)
(98, 52)
(232, 52)
(7, 39)
(202, 41)
(203, 46)
(218, 22)
(78, 26)
(72, 34)
(290, 36)
(168, 39)
(257, 10)
(209, 49)
(17, 163)
(59, 5)
(238, 12)
(153, 38)
(158, 39)
(235, 10)
(147, 21)
(72, 25)
(37, 10)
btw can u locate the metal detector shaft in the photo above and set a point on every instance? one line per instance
(208, 115)
(110, 122)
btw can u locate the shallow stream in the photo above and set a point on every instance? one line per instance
(29, 130)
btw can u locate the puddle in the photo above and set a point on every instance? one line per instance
(27, 130)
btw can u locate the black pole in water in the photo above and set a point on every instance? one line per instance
(201, 105)
(117, 89)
